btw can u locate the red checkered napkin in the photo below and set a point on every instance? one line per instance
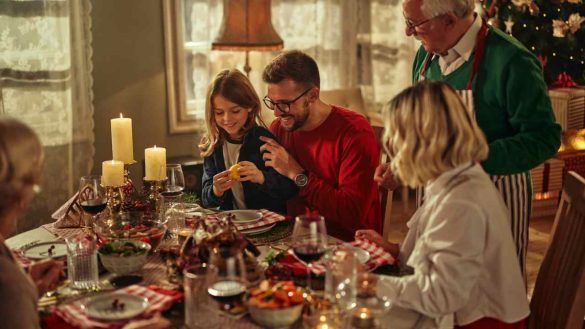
(378, 256)
(268, 218)
(158, 302)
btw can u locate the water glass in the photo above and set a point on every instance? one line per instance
(82, 263)
(200, 310)
(340, 279)
(174, 212)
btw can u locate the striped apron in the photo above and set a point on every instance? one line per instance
(515, 188)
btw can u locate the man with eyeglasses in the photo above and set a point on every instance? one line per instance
(501, 83)
(329, 152)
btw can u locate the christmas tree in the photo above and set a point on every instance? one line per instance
(552, 29)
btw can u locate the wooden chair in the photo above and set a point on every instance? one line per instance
(558, 301)
(385, 195)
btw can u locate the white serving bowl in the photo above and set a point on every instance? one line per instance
(276, 317)
(118, 264)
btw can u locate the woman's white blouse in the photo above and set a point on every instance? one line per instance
(459, 245)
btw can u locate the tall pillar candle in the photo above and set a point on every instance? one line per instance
(112, 173)
(155, 163)
(122, 146)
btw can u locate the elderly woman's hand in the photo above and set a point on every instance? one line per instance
(45, 274)
(384, 177)
(375, 237)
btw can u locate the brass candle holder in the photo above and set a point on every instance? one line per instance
(114, 198)
(153, 188)
(129, 187)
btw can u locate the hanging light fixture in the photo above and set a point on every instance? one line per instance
(247, 26)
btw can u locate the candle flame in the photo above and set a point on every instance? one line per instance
(363, 315)
(121, 116)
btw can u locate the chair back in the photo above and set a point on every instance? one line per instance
(385, 195)
(558, 301)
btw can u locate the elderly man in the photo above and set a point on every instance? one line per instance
(328, 151)
(502, 83)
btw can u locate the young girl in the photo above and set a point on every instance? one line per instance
(234, 127)
(459, 242)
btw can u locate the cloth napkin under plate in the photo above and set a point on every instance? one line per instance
(268, 218)
(378, 257)
(159, 300)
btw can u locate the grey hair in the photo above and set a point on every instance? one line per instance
(433, 8)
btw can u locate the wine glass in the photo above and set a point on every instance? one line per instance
(174, 209)
(309, 241)
(92, 197)
(229, 284)
(175, 183)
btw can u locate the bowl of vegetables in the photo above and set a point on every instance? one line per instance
(132, 225)
(123, 257)
(275, 305)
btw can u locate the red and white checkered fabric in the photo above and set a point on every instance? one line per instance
(62, 233)
(378, 257)
(268, 218)
(74, 315)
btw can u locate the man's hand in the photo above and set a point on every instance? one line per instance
(45, 274)
(385, 178)
(221, 183)
(279, 159)
(249, 172)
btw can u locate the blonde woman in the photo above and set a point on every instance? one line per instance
(459, 246)
(21, 159)
(234, 173)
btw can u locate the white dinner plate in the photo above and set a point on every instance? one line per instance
(258, 230)
(101, 306)
(243, 216)
(361, 255)
(41, 250)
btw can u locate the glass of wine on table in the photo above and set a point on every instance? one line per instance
(309, 241)
(92, 197)
(229, 283)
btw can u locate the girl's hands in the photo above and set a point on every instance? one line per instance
(250, 173)
(221, 183)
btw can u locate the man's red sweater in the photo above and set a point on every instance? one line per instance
(339, 157)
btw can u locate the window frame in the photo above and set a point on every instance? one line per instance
(180, 122)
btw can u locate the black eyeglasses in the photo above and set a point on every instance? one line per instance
(411, 27)
(284, 106)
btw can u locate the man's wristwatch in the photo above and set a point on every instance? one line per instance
(301, 180)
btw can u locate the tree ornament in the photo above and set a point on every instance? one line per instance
(509, 25)
(560, 28)
(574, 22)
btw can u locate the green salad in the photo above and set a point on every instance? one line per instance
(122, 249)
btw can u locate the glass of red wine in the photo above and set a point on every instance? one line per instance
(309, 241)
(92, 197)
(229, 284)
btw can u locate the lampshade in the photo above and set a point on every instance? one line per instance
(246, 26)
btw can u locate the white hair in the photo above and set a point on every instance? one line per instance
(433, 8)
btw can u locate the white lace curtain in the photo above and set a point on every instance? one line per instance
(355, 43)
(45, 81)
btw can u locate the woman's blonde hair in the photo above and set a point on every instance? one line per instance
(234, 86)
(21, 161)
(429, 131)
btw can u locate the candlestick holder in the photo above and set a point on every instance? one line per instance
(129, 187)
(153, 189)
(114, 198)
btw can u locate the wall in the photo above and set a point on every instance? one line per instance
(129, 77)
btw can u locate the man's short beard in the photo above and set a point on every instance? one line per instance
(300, 120)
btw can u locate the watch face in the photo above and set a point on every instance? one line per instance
(301, 180)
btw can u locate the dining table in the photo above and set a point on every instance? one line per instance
(154, 273)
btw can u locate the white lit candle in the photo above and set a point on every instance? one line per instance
(112, 173)
(122, 147)
(155, 163)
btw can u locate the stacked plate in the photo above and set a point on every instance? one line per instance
(247, 218)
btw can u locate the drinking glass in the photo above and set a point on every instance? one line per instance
(229, 285)
(199, 310)
(309, 241)
(341, 277)
(174, 208)
(92, 197)
(82, 264)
